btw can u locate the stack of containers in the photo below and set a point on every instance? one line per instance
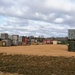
(24, 40)
(40, 40)
(51, 41)
(47, 41)
(5, 40)
(15, 39)
(29, 41)
(71, 40)
(71, 46)
(8, 42)
(34, 42)
(4, 36)
(20, 40)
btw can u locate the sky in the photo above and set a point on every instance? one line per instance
(48, 18)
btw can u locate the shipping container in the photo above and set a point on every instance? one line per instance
(8, 42)
(19, 43)
(36, 40)
(71, 46)
(32, 40)
(71, 34)
(54, 42)
(20, 39)
(40, 40)
(15, 43)
(28, 39)
(2, 43)
(51, 42)
(24, 39)
(4, 36)
(15, 37)
(48, 41)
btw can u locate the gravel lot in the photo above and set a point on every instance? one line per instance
(40, 50)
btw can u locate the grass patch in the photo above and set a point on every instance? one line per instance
(37, 65)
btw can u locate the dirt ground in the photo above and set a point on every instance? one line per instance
(48, 50)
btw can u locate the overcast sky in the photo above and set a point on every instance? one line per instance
(37, 17)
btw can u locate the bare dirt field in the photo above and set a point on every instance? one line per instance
(48, 50)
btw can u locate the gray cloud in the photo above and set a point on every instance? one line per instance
(37, 17)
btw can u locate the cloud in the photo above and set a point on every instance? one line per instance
(65, 5)
(58, 20)
(37, 17)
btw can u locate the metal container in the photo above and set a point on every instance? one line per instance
(15, 43)
(55, 42)
(19, 43)
(40, 40)
(20, 39)
(32, 40)
(71, 46)
(10, 37)
(24, 39)
(51, 42)
(29, 43)
(4, 36)
(15, 37)
(71, 34)
(29, 40)
(36, 40)
(2, 43)
(8, 42)
(48, 41)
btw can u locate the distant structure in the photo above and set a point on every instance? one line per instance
(71, 40)
(4, 36)
(71, 34)
(16, 40)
